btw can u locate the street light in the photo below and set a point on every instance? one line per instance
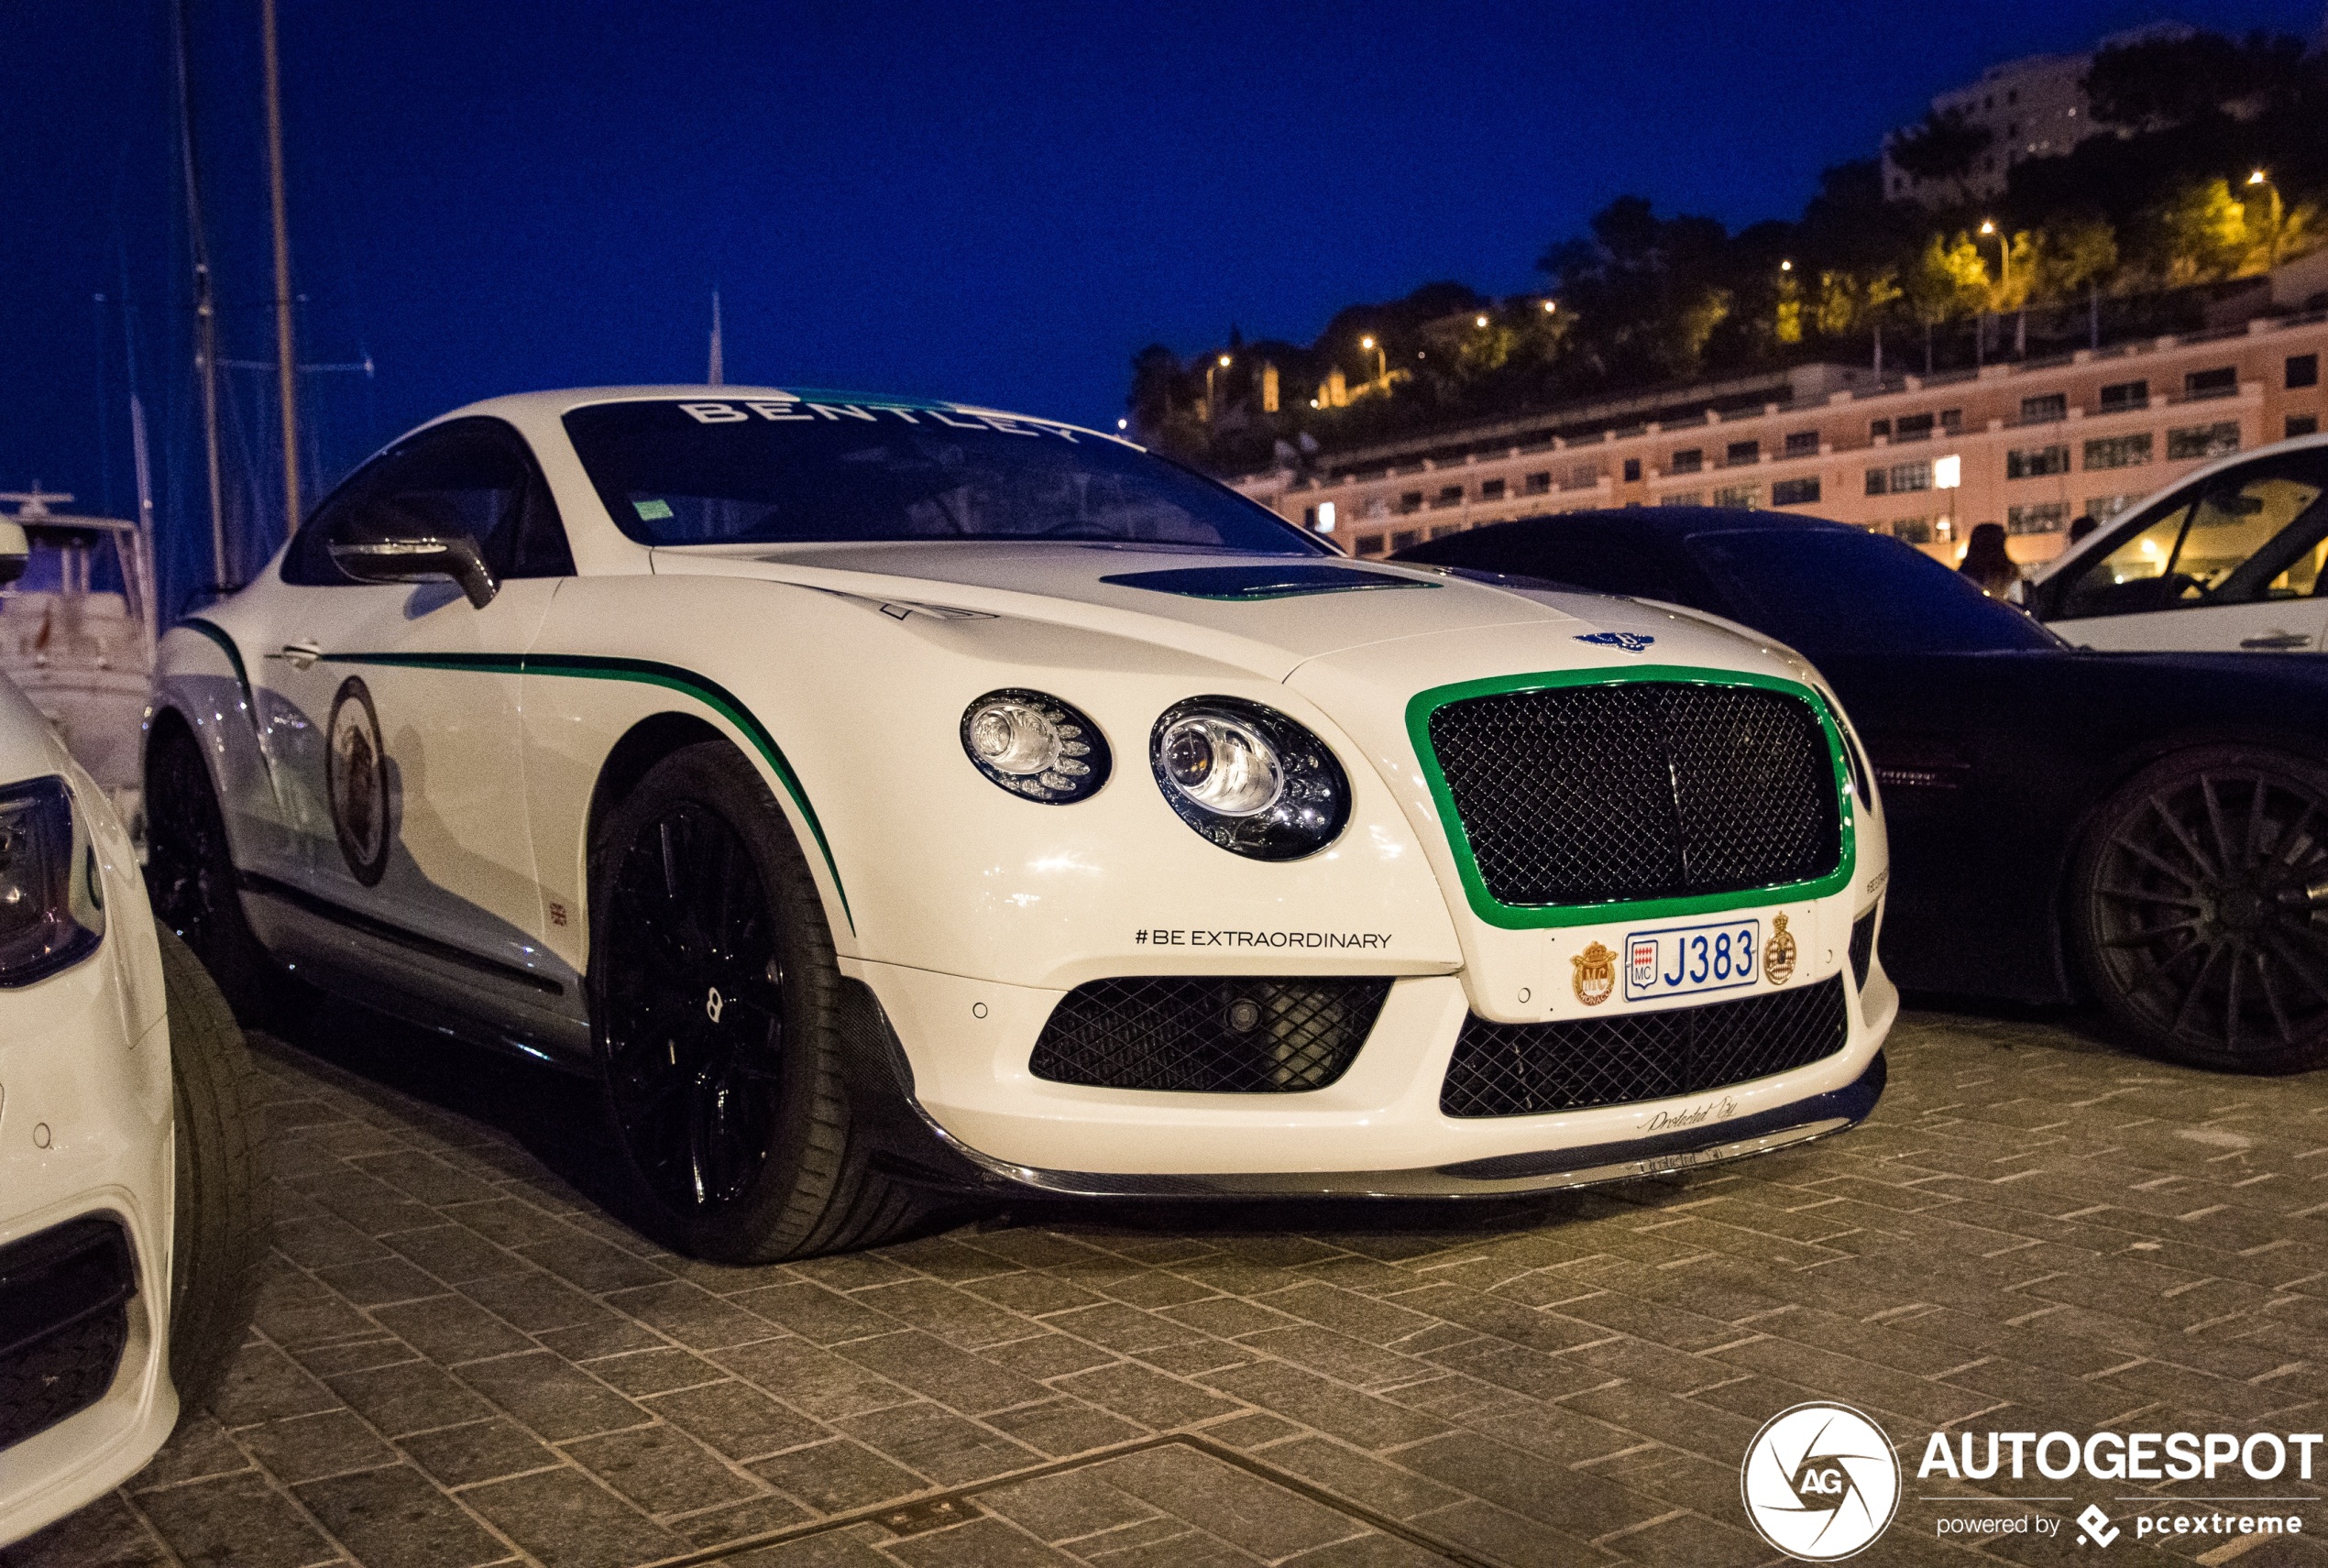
(1550, 305)
(1787, 267)
(2272, 256)
(1381, 360)
(1478, 321)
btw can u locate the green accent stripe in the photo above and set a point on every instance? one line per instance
(1510, 916)
(646, 671)
(217, 634)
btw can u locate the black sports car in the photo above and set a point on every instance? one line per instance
(2150, 829)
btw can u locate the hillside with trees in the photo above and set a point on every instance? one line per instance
(2216, 171)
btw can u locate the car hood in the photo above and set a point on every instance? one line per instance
(1266, 614)
(29, 744)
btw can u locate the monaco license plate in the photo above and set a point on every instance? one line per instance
(1681, 959)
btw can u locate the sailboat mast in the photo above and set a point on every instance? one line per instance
(205, 308)
(286, 360)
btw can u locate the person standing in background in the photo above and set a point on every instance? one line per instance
(1986, 562)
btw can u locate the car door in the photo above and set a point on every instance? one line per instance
(397, 740)
(2233, 561)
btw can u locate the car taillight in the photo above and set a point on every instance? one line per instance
(52, 902)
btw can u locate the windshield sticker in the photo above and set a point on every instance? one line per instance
(795, 410)
(1630, 641)
(652, 511)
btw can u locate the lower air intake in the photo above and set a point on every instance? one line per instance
(1527, 1069)
(64, 1320)
(1208, 1035)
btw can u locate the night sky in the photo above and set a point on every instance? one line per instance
(989, 203)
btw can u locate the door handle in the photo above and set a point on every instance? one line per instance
(300, 655)
(2277, 639)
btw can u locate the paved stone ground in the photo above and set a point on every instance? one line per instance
(464, 1358)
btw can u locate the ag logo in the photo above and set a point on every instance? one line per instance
(356, 780)
(1596, 974)
(1820, 1482)
(1778, 953)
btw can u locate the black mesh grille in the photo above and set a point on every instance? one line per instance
(64, 1319)
(1863, 947)
(1234, 1035)
(1524, 1070)
(1639, 789)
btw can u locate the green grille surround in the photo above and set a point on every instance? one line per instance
(1515, 916)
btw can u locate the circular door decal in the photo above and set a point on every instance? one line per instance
(355, 777)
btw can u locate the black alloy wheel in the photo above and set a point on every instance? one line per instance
(716, 1008)
(190, 874)
(2201, 904)
(695, 1017)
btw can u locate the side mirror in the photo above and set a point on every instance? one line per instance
(15, 552)
(428, 558)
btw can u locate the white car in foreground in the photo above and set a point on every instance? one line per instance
(883, 796)
(130, 1204)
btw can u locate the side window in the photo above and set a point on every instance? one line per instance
(471, 477)
(2254, 534)
(2130, 575)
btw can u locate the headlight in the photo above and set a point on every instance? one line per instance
(1035, 745)
(51, 911)
(1247, 778)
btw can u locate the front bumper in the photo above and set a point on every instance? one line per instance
(961, 1049)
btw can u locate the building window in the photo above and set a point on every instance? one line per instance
(1687, 462)
(2030, 461)
(1953, 419)
(2101, 508)
(1406, 538)
(1740, 452)
(2218, 440)
(1370, 544)
(1538, 484)
(2118, 451)
(1683, 499)
(1409, 500)
(2120, 395)
(1794, 492)
(2044, 410)
(2303, 371)
(1913, 427)
(1310, 517)
(2222, 382)
(2303, 424)
(1802, 443)
(1632, 470)
(1912, 530)
(2043, 517)
(1491, 490)
(1446, 528)
(1448, 496)
(1746, 496)
(1899, 478)
(1582, 476)
(1879, 429)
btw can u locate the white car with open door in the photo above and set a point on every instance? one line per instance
(881, 797)
(2228, 560)
(131, 1204)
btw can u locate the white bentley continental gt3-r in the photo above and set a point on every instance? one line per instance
(132, 1215)
(881, 797)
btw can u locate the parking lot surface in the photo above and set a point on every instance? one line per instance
(464, 1357)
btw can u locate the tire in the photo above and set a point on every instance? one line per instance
(716, 1013)
(2198, 909)
(190, 875)
(220, 1223)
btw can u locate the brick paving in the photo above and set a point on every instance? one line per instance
(464, 1356)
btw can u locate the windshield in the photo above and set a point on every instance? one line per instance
(783, 471)
(1826, 592)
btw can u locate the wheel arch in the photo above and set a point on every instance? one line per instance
(641, 747)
